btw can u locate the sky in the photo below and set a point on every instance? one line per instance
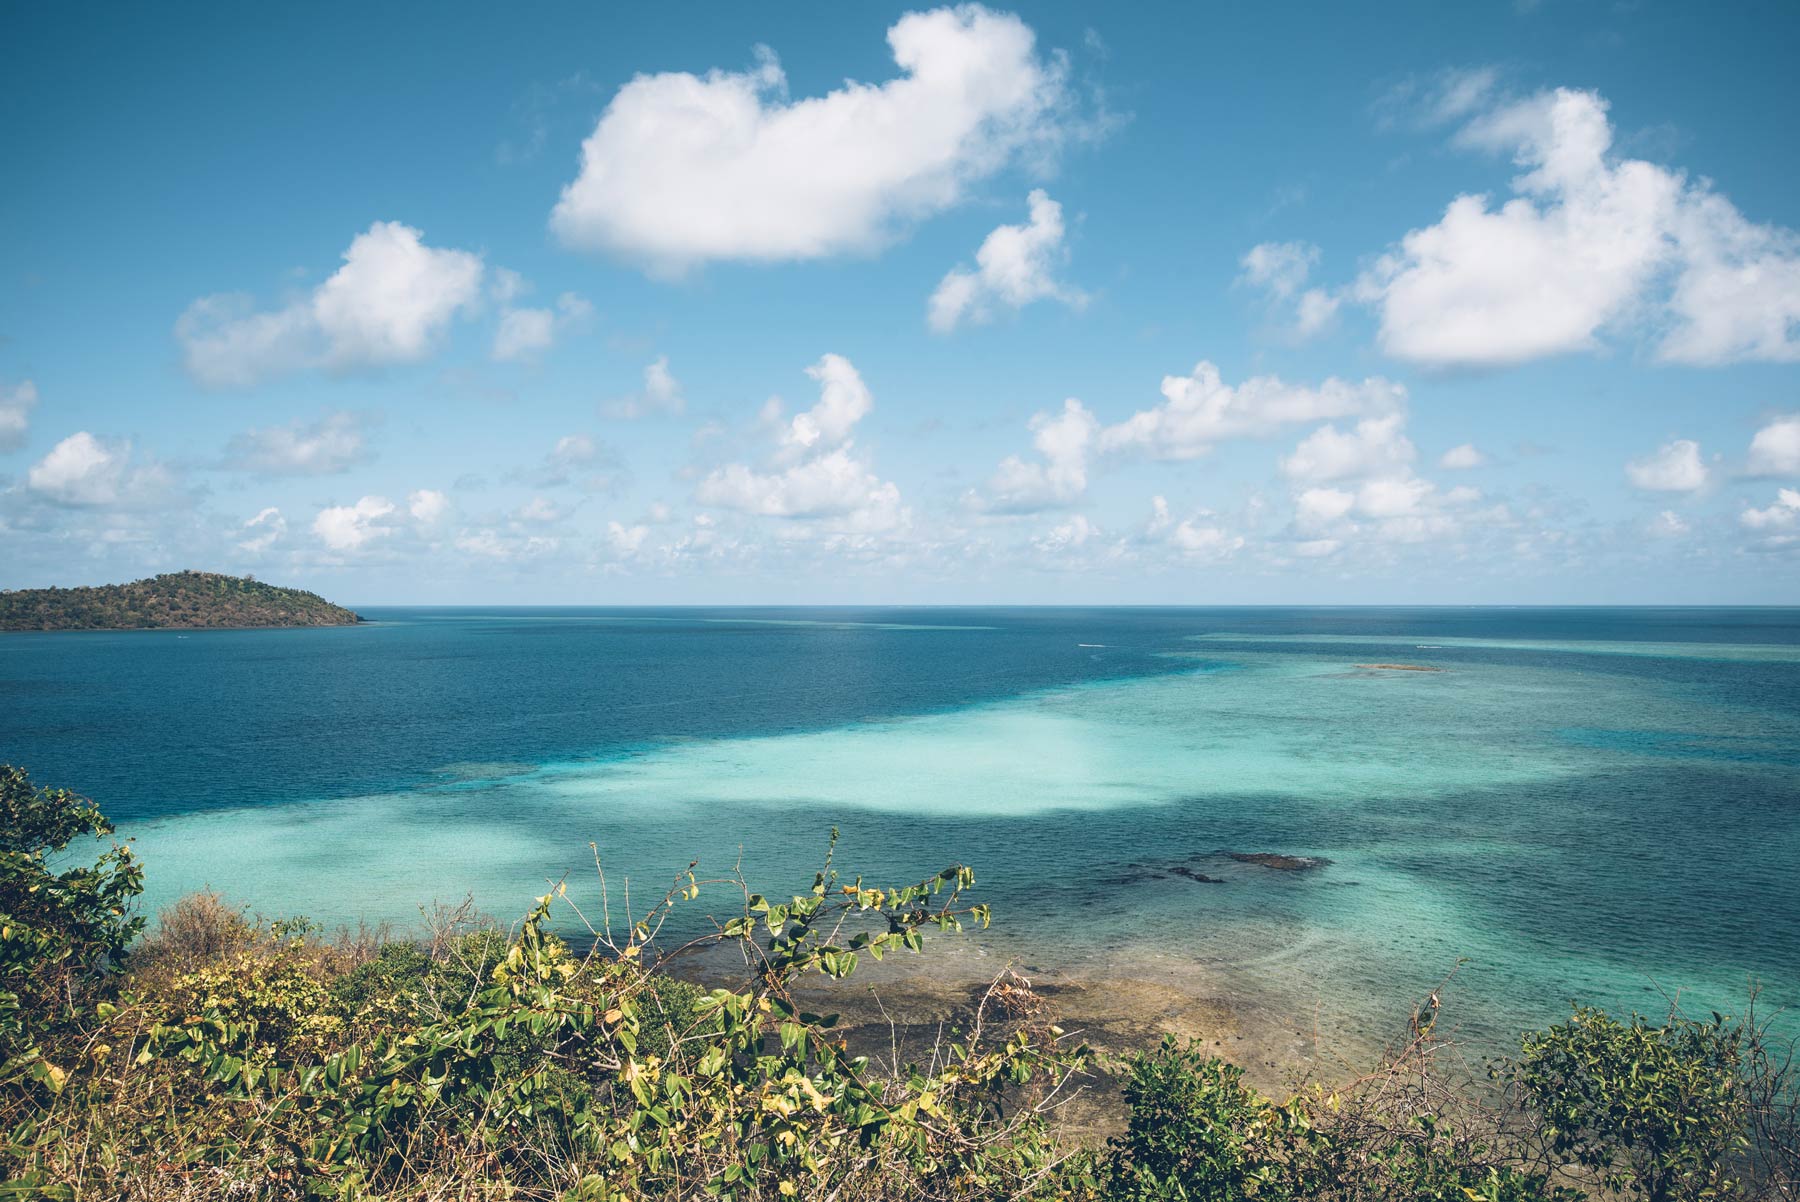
(867, 304)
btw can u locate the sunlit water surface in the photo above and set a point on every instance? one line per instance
(1591, 804)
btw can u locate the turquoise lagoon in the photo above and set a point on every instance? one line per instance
(1600, 805)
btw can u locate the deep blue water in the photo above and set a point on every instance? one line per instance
(1600, 803)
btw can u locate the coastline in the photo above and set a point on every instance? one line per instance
(895, 1010)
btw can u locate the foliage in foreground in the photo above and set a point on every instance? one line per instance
(228, 1058)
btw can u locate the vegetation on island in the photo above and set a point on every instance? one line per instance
(223, 1057)
(184, 600)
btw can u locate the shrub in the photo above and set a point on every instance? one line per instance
(1196, 1131)
(196, 929)
(57, 930)
(1654, 1110)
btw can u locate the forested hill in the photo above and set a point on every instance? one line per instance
(174, 599)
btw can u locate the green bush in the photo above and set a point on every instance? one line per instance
(1656, 1111)
(1195, 1131)
(58, 931)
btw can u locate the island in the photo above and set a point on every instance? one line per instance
(175, 600)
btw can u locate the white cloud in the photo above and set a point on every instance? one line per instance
(1059, 476)
(1198, 537)
(1357, 487)
(16, 404)
(682, 169)
(506, 546)
(661, 394)
(816, 474)
(1675, 467)
(1374, 446)
(427, 506)
(85, 472)
(844, 400)
(1737, 296)
(1317, 508)
(835, 484)
(262, 531)
(1778, 525)
(1668, 524)
(1590, 242)
(332, 444)
(1461, 458)
(1392, 496)
(1281, 269)
(389, 303)
(626, 541)
(1775, 451)
(1077, 531)
(1015, 266)
(1784, 514)
(526, 333)
(353, 527)
(523, 333)
(1204, 541)
(1314, 312)
(1200, 410)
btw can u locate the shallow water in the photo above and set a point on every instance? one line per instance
(1592, 804)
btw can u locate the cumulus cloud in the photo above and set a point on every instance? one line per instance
(262, 531)
(835, 484)
(16, 404)
(844, 400)
(684, 169)
(1015, 265)
(1059, 475)
(1200, 410)
(625, 541)
(1590, 242)
(1199, 537)
(86, 472)
(661, 394)
(1782, 515)
(1668, 524)
(1077, 531)
(1373, 446)
(1461, 458)
(1674, 467)
(1775, 450)
(354, 527)
(526, 333)
(427, 506)
(1357, 485)
(1778, 524)
(332, 444)
(389, 303)
(816, 475)
(1280, 270)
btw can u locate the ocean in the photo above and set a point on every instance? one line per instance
(1600, 805)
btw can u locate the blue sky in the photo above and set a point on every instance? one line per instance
(864, 304)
